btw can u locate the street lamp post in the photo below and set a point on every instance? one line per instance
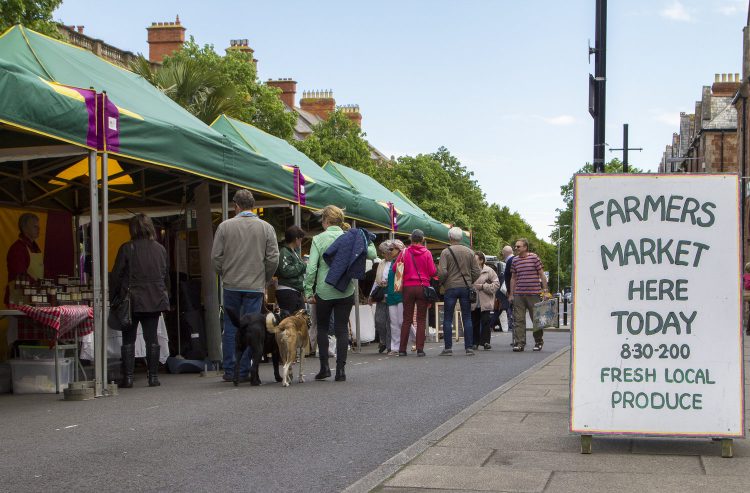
(559, 229)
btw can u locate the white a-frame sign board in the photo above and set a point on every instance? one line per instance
(657, 335)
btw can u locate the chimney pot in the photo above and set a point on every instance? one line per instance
(164, 38)
(288, 89)
(177, 19)
(80, 29)
(717, 77)
(736, 77)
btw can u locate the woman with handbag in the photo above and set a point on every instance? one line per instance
(394, 297)
(377, 296)
(141, 276)
(485, 285)
(418, 270)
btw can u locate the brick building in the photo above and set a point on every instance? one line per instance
(315, 107)
(707, 141)
(743, 135)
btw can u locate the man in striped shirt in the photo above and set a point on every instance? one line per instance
(527, 283)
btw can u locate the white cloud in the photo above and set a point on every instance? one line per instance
(677, 12)
(731, 8)
(559, 120)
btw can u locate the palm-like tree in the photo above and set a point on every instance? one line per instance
(191, 85)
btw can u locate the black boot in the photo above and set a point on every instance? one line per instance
(325, 370)
(127, 356)
(340, 374)
(152, 359)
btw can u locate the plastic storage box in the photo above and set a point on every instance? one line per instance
(40, 352)
(38, 376)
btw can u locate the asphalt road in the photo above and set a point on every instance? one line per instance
(200, 434)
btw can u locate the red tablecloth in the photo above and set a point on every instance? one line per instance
(55, 322)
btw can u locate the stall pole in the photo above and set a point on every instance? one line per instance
(356, 305)
(224, 217)
(183, 255)
(77, 272)
(105, 262)
(297, 215)
(96, 275)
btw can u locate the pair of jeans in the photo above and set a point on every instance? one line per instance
(241, 302)
(340, 308)
(413, 295)
(149, 323)
(460, 295)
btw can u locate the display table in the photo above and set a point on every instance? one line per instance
(54, 323)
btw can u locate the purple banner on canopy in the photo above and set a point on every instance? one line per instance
(394, 216)
(90, 98)
(299, 186)
(108, 124)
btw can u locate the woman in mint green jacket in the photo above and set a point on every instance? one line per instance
(329, 300)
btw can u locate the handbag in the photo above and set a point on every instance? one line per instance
(120, 314)
(378, 294)
(472, 291)
(428, 291)
(544, 314)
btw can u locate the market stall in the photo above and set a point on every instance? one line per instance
(170, 157)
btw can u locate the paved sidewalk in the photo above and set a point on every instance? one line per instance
(516, 439)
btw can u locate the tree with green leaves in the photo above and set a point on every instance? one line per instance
(338, 139)
(563, 231)
(34, 14)
(208, 84)
(437, 182)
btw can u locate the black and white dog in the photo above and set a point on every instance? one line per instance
(252, 332)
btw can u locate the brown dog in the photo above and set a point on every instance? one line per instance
(291, 335)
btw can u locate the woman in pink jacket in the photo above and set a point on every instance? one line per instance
(419, 268)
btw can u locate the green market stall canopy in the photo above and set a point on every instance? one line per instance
(57, 86)
(409, 216)
(318, 188)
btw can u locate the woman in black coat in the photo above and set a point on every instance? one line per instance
(141, 266)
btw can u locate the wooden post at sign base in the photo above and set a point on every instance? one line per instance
(586, 444)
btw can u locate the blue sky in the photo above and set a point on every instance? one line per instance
(502, 84)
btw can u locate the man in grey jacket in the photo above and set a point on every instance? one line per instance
(457, 271)
(245, 254)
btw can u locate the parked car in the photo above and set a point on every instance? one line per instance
(495, 263)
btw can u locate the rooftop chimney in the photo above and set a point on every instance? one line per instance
(79, 29)
(242, 45)
(164, 38)
(725, 84)
(319, 103)
(288, 90)
(352, 112)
